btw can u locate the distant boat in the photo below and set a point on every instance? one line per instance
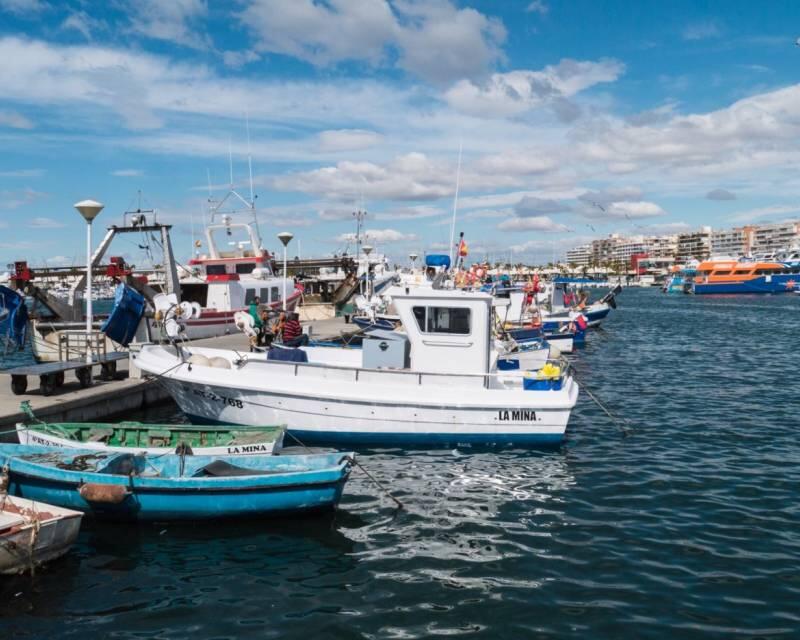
(32, 533)
(725, 275)
(137, 437)
(124, 486)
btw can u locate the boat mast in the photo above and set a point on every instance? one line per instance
(455, 202)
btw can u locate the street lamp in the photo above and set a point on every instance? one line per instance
(89, 209)
(413, 257)
(285, 237)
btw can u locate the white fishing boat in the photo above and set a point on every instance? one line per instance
(438, 383)
(224, 281)
(32, 533)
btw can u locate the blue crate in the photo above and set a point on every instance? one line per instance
(532, 384)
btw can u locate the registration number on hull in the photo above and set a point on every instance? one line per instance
(228, 402)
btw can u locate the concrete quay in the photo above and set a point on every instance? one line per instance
(119, 397)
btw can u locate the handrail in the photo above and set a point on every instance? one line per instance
(561, 361)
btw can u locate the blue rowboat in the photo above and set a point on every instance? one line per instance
(125, 486)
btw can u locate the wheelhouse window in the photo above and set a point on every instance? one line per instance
(245, 267)
(452, 320)
(722, 273)
(275, 295)
(215, 269)
(249, 295)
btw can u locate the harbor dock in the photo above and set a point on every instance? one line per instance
(117, 397)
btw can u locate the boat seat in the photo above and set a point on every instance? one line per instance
(222, 469)
(287, 354)
(100, 435)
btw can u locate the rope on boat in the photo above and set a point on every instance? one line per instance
(617, 421)
(356, 463)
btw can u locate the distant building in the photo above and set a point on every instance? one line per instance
(732, 242)
(769, 238)
(662, 246)
(580, 256)
(603, 249)
(694, 245)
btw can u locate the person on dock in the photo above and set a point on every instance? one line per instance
(278, 326)
(265, 335)
(253, 310)
(293, 335)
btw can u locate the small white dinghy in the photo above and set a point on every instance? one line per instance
(32, 533)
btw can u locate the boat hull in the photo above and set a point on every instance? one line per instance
(776, 284)
(315, 420)
(25, 547)
(178, 498)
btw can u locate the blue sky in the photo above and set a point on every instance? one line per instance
(667, 115)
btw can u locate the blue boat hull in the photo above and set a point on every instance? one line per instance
(784, 283)
(178, 498)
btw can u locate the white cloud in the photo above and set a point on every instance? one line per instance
(23, 7)
(127, 173)
(238, 59)
(171, 20)
(512, 93)
(538, 6)
(45, 223)
(18, 198)
(436, 41)
(409, 213)
(760, 213)
(14, 120)
(531, 205)
(348, 139)
(410, 177)
(535, 223)
(381, 236)
(22, 173)
(702, 31)
(518, 162)
(83, 23)
(632, 210)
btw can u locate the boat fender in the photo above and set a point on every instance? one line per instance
(200, 360)
(184, 449)
(103, 493)
(218, 362)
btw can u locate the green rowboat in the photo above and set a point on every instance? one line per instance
(138, 437)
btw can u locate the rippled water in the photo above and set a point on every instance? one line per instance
(688, 527)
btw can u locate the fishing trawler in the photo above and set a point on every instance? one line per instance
(224, 281)
(436, 384)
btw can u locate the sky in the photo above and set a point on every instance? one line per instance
(571, 119)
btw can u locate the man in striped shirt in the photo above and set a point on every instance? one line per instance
(293, 335)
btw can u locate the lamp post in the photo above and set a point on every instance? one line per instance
(89, 209)
(367, 249)
(285, 237)
(413, 257)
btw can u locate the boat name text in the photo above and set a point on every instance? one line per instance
(516, 415)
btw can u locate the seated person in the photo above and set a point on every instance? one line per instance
(293, 335)
(277, 328)
(265, 335)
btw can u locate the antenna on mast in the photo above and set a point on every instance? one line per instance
(455, 200)
(249, 159)
(230, 160)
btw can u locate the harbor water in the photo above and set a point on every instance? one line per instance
(688, 526)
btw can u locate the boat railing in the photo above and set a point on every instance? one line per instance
(407, 376)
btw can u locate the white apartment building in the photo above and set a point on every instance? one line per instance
(732, 242)
(694, 245)
(769, 238)
(580, 256)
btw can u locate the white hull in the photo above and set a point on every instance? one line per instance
(29, 435)
(321, 403)
(22, 546)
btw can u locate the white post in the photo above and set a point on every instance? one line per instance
(88, 290)
(285, 237)
(285, 275)
(89, 209)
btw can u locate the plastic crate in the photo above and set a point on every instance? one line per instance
(547, 384)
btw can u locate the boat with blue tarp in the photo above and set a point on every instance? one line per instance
(128, 486)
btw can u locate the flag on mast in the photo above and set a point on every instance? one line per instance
(462, 247)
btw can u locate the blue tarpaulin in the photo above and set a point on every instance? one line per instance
(437, 260)
(282, 354)
(14, 319)
(124, 319)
